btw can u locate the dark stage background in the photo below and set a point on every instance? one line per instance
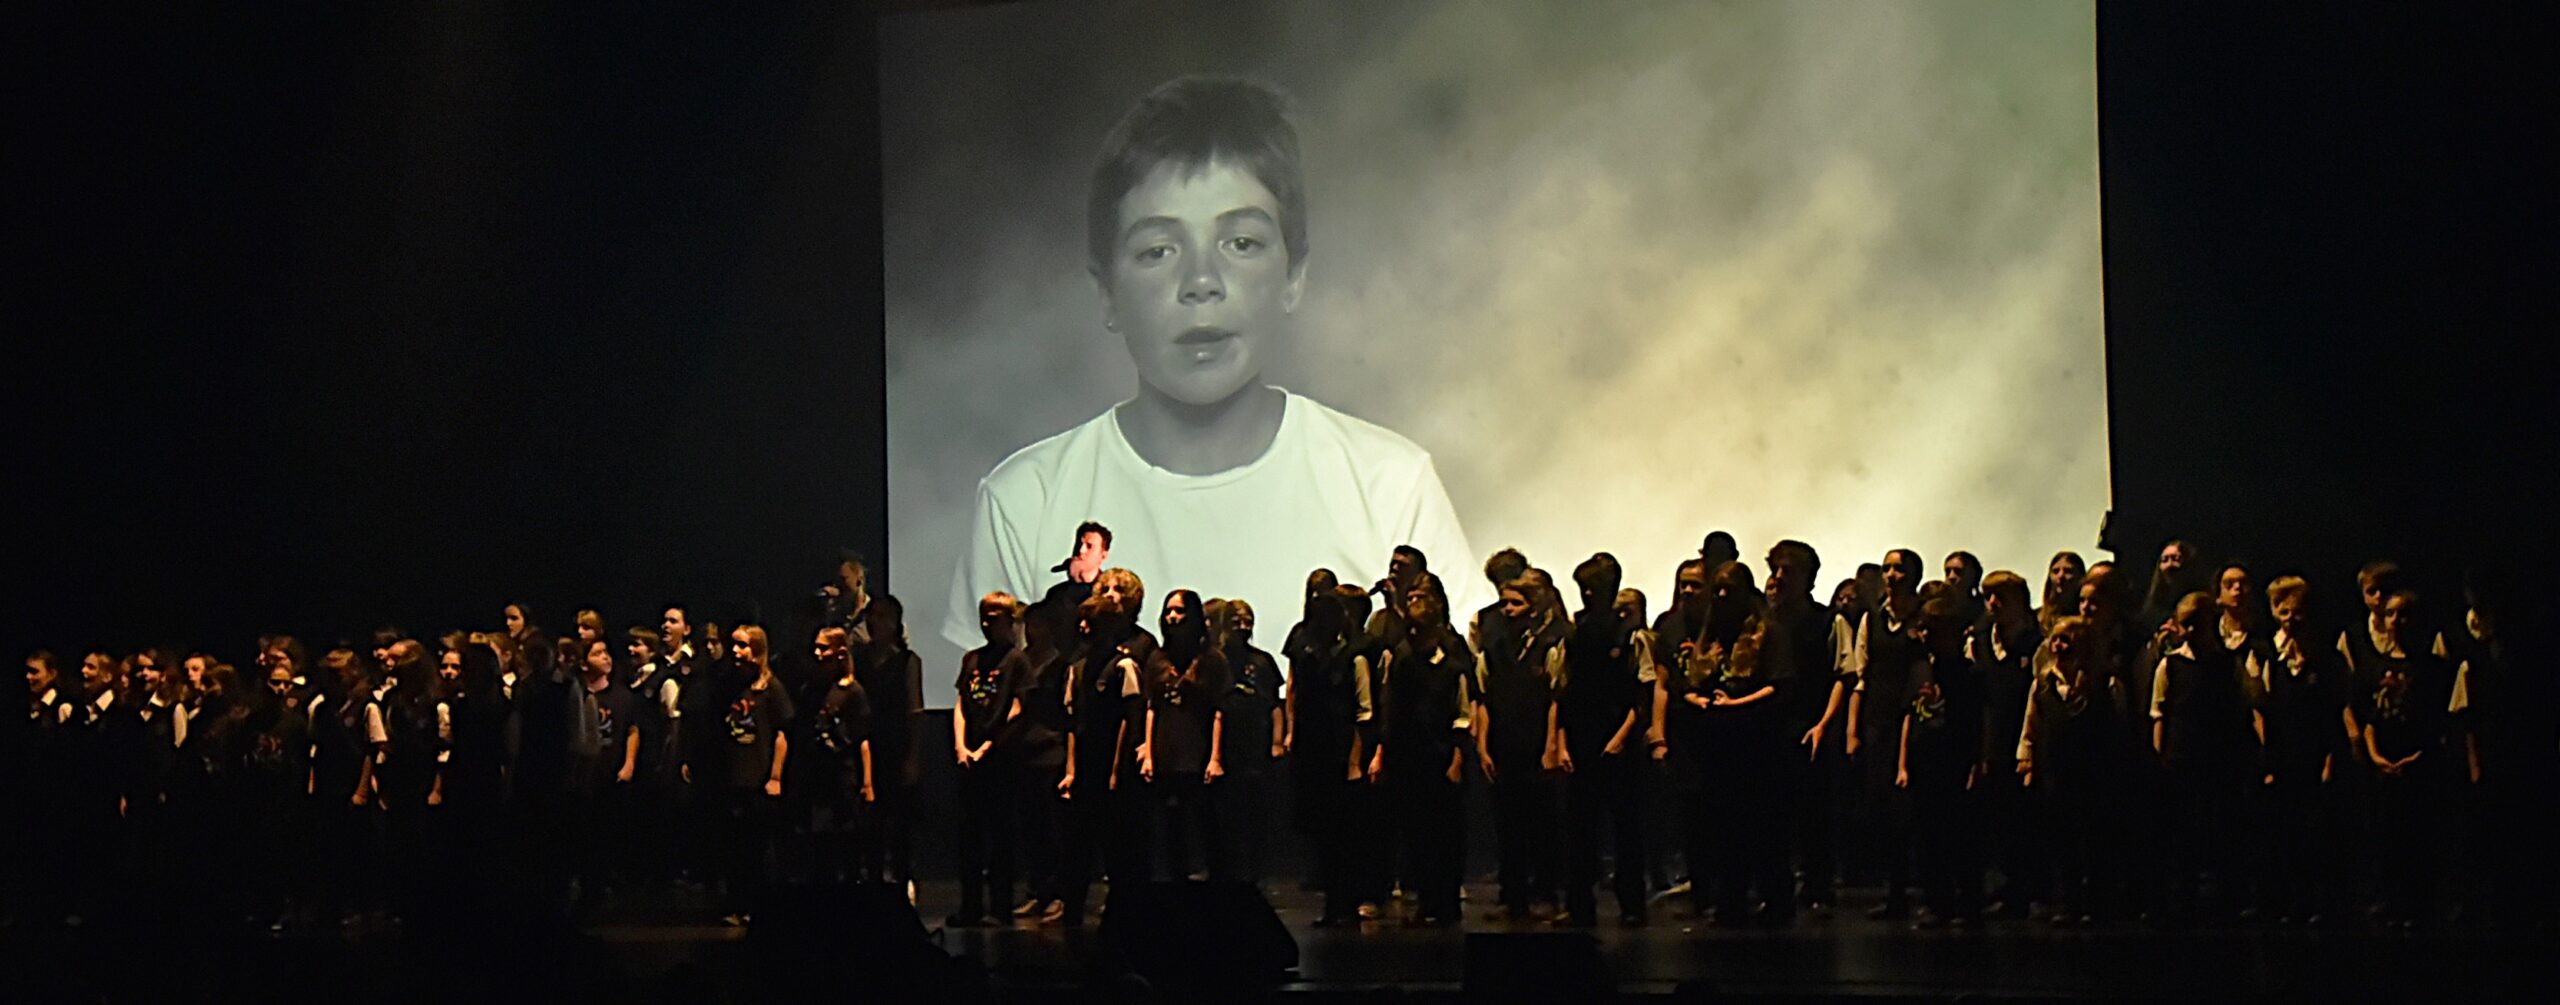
(330, 316)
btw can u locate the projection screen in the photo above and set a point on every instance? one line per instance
(1559, 275)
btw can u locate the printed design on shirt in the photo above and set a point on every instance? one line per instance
(1713, 667)
(833, 736)
(983, 685)
(1172, 691)
(742, 720)
(1929, 705)
(605, 731)
(2391, 702)
(268, 752)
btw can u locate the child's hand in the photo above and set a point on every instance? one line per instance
(1901, 778)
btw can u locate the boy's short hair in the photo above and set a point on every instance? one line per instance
(2287, 588)
(1093, 527)
(1506, 565)
(1797, 555)
(1599, 575)
(1189, 122)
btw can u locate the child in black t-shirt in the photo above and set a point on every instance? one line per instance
(838, 761)
(1035, 681)
(1181, 754)
(892, 676)
(2407, 729)
(756, 720)
(982, 706)
(1940, 760)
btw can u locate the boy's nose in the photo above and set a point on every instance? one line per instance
(1204, 284)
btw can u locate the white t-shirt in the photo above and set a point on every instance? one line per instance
(1332, 492)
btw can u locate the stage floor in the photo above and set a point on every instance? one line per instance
(659, 948)
(1839, 954)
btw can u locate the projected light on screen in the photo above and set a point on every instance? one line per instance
(1562, 276)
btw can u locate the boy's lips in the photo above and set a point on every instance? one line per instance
(1203, 335)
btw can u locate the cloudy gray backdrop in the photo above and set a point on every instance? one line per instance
(1629, 270)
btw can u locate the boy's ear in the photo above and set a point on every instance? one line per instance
(1296, 287)
(1102, 285)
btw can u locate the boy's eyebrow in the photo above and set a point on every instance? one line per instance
(1245, 212)
(1240, 212)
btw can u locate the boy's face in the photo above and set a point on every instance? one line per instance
(995, 622)
(1691, 584)
(1200, 279)
(1419, 606)
(2232, 590)
(1089, 556)
(2289, 613)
